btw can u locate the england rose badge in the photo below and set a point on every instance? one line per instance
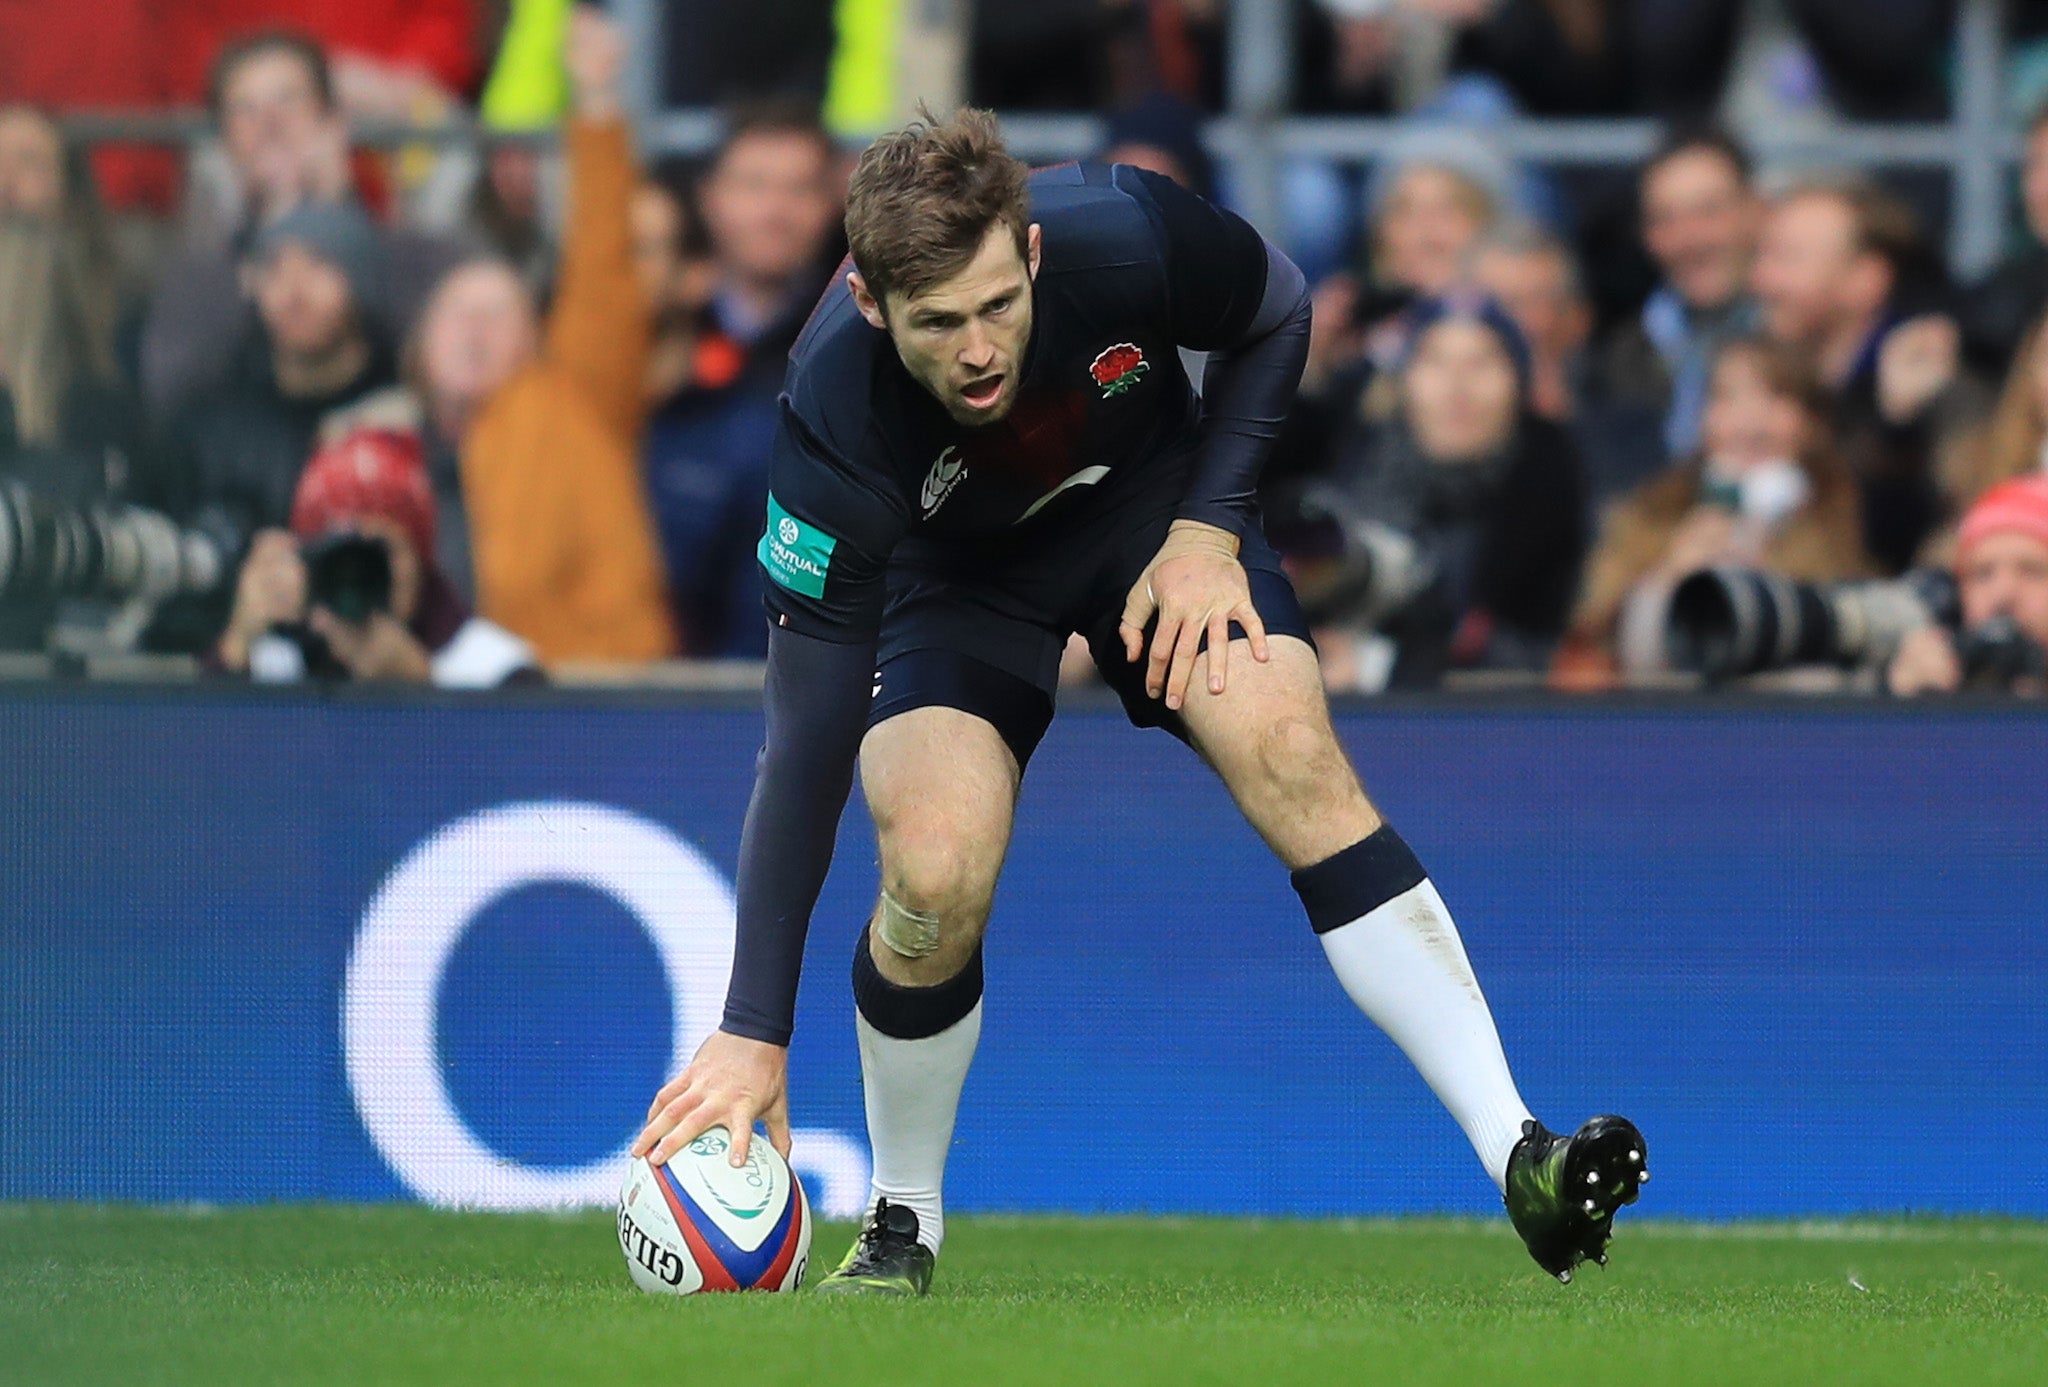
(1119, 368)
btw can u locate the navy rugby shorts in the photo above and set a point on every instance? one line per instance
(982, 627)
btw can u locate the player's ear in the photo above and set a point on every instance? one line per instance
(1032, 251)
(870, 307)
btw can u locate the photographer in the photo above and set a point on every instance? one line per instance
(1769, 491)
(313, 603)
(2001, 572)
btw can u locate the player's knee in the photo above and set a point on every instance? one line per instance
(936, 889)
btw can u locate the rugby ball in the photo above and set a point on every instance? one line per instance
(699, 1223)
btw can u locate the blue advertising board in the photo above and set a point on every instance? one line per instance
(257, 948)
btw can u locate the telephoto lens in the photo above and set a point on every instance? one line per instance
(1725, 623)
(49, 548)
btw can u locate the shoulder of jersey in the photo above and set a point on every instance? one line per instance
(830, 385)
(1091, 218)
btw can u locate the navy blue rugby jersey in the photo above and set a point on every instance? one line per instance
(865, 460)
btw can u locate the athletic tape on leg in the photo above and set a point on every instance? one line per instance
(911, 933)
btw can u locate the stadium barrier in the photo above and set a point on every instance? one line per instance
(367, 947)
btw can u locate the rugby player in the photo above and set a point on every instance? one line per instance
(988, 442)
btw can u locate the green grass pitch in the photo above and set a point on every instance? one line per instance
(403, 1295)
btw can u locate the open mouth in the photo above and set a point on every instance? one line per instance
(983, 393)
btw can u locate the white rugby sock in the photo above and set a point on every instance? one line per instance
(912, 1089)
(1405, 966)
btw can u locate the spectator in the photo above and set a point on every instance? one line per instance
(531, 433)
(2001, 573)
(1836, 274)
(676, 277)
(1535, 277)
(1428, 210)
(2012, 443)
(1999, 309)
(770, 202)
(67, 431)
(1700, 215)
(236, 453)
(1768, 490)
(60, 296)
(507, 208)
(367, 485)
(1479, 501)
(31, 164)
(273, 105)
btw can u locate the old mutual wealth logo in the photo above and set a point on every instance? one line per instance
(948, 472)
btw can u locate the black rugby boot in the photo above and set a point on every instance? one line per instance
(1563, 1191)
(886, 1259)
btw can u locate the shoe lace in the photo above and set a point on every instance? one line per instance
(876, 1233)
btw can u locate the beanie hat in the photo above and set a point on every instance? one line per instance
(2019, 506)
(339, 233)
(370, 473)
(1473, 307)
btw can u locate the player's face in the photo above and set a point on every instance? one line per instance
(964, 338)
(2007, 575)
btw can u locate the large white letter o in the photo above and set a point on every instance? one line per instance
(414, 923)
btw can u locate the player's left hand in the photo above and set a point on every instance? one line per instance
(1195, 585)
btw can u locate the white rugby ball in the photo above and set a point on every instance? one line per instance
(699, 1223)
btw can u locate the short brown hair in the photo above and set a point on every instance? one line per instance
(923, 199)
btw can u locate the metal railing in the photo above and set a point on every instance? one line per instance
(1976, 147)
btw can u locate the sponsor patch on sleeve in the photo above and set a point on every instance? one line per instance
(796, 555)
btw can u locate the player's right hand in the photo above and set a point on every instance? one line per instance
(732, 1082)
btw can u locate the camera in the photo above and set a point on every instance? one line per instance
(52, 548)
(349, 575)
(1725, 623)
(1347, 568)
(1997, 652)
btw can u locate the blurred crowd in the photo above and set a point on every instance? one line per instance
(465, 414)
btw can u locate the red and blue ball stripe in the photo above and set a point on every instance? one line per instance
(725, 1265)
